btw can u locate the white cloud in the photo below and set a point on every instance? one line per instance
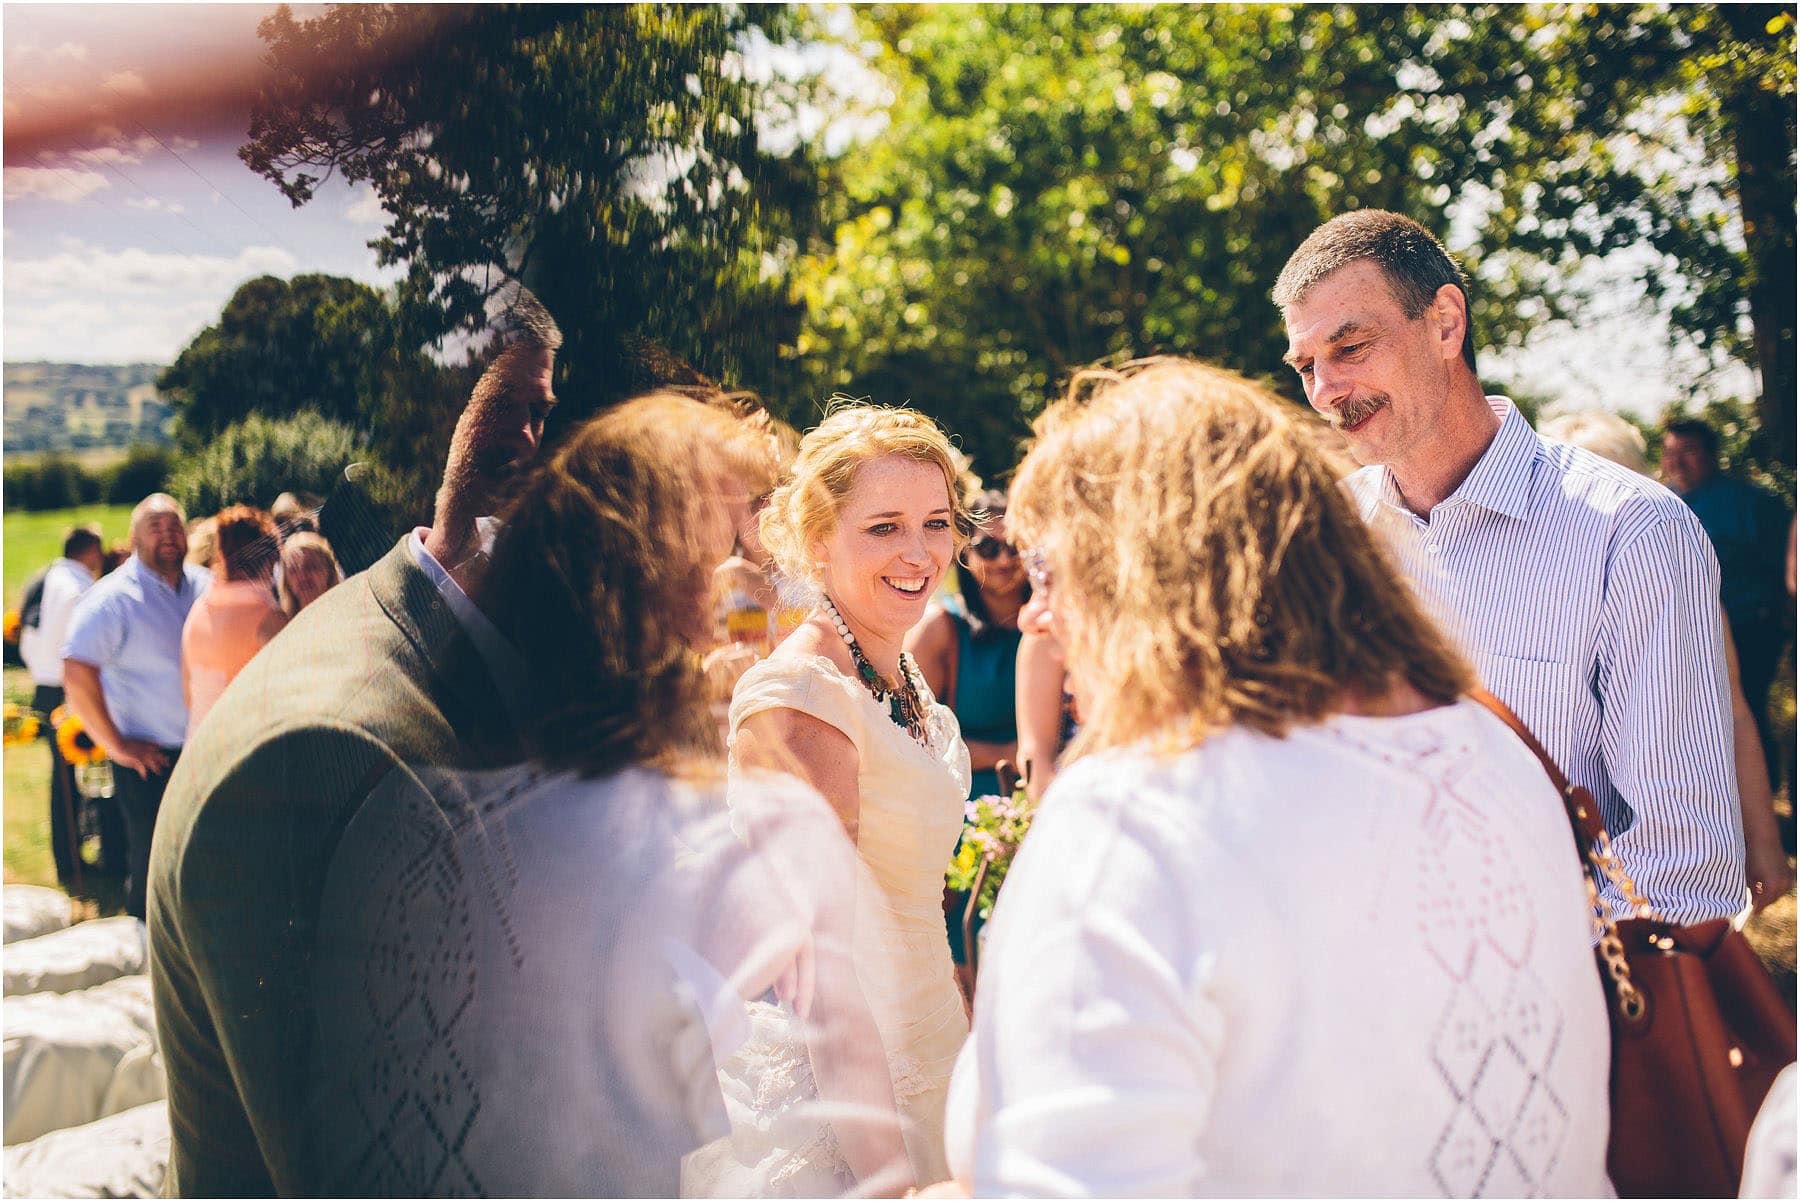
(86, 304)
(367, 210)
(52, 183)
(152, 204)
(125, 83)
(65, 51)
(92, 271)
(118, 150)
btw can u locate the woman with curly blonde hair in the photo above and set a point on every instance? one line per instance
(871, 518)
(1296, 917)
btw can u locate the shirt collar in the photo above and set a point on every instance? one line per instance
(1500, 480)
(145, 577)
(75, 566)
(497, 654)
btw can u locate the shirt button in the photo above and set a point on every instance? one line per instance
(1431, 548)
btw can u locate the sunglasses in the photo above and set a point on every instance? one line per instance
(988, 547)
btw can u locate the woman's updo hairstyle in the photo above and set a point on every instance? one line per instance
(804, 510)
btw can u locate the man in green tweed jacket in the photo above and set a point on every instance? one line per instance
(371, 684)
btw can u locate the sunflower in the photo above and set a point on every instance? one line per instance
(22, 724)
(76, 744)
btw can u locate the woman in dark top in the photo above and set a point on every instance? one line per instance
(967, 646)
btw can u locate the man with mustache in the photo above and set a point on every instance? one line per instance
(1587, 595)
(394, 671)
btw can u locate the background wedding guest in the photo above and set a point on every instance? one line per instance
(43, 625)
(308, 569)
(1586, 595)
(122, 670)
(967, 647)
(1744, 523)
(296, 511)
(1292, 912)
(1766, 867)
(203, 541)
(236, 616)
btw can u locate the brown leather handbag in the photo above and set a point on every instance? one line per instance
(1699, 1030)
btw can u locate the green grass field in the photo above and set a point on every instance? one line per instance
(34, 539)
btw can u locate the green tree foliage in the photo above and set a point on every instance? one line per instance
(254, 461)
(1059, 185)
(52, 482)
(279, 347)
(609, 156)
(144, 470)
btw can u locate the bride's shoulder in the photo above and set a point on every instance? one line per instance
(800, 676)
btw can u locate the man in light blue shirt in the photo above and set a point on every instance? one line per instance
(1586, 595)
(122, 671)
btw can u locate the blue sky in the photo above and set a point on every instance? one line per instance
(122, 245)
(120, 248)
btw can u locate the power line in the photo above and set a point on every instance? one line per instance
(215, 188)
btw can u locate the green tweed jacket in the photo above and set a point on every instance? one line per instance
(374, 679)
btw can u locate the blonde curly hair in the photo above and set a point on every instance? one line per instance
(1212, 563)
(803, 510)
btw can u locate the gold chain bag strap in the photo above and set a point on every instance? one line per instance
(1699, 1030)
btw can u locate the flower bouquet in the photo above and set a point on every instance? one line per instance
(993, 830)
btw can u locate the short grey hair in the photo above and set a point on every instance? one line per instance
(1413, 261)
(156, 502)
(518, 318)
(1600, 433)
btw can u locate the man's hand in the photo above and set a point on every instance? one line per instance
(141, 756)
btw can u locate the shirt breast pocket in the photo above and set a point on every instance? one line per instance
(1541, 691)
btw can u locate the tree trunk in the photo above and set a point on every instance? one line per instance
(1762, 132)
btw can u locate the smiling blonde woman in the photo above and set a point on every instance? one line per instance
(871, 518)
(1294, 919)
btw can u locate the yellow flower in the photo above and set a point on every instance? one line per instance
(12, 626)
(77, 746)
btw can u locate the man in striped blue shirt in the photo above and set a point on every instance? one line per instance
(1587, 595)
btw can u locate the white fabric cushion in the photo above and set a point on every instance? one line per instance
(85, 954)
(124, 1155)
(72, 1058)
(32, 910)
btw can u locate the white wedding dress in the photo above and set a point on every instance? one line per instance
(911, 799)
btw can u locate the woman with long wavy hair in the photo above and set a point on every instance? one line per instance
(1296, 917)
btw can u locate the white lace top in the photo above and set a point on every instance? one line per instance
(1354, 961)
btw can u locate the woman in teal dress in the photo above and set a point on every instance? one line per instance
(967, 648)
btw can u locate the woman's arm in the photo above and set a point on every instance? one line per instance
(842, 1028)
(932, 644)
(1040, 693)
(1766, 865)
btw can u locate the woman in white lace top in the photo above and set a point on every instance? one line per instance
(1295, 919)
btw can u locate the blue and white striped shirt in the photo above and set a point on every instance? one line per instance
(1588, 598)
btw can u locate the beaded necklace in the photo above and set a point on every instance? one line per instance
(904, 701)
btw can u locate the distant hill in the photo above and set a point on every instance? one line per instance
(81, 407)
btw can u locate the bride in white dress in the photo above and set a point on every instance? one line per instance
(870, 517)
